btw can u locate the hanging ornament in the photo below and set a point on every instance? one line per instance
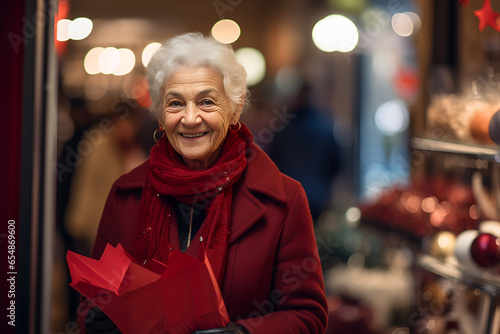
(464, 2)
(485, 250)
(487, 16)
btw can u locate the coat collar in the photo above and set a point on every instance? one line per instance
(260, 177)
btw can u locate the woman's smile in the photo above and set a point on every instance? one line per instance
(193, 135)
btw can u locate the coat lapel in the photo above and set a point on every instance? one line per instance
(260, 177)
(246, 211)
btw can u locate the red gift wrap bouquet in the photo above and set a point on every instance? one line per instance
(152, 298)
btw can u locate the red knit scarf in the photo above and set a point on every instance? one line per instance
(209, 190)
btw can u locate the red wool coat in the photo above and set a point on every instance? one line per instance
(273, 281)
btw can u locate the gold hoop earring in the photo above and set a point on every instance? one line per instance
(156, 132)
(238, 124)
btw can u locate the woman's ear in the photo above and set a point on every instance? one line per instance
(160, 125)
(236, 115)
(237, 112)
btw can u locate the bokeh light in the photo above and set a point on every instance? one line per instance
(109, 60)
(90, 63)
(406, 24)
(392, 117)
(62, 30)
(80, 28)
(226, 31)
(353, 214)
(417, 22)
(254, 63)
(148, 52)
(127, 62)
(335, 33)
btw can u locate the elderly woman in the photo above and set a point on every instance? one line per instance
(206, 182)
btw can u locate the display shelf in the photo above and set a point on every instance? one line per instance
(491, 153)
(486, 281)
(478, 278)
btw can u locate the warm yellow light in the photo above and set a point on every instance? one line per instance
(226, 31)
(254, 63)
(335, 33)
(417, 22)
(127, 62)
(80, 28)
(62, 30)
(148, 52)
(402, 24)
(90, 63)
(109, 60)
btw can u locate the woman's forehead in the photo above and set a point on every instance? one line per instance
(198, 79)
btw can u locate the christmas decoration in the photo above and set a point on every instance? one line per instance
(442, 245)
(487, 16)
(485, 250)
(494, 127)
(463, 244)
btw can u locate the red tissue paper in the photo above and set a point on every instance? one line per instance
(152, 298)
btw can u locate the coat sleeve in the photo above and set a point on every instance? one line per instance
(104, 236)
(298, 294)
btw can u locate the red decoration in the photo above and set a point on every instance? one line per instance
(181, 298)
(485, 250)
(406, 83)
(464, 2)
(487, 16)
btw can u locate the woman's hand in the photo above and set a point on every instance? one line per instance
(231, 328)
(97, 322)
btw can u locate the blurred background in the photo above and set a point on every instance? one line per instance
(356, 99)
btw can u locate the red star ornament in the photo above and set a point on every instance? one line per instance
(487, 16)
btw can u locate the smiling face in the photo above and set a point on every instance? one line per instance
(197, 115)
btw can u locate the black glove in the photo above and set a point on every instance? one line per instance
(97, 322)
(231, 328)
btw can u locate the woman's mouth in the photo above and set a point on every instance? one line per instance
(193, 135)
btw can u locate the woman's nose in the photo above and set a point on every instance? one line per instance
(191, 115)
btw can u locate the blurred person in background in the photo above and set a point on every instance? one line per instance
(105, 151)
(307, 151)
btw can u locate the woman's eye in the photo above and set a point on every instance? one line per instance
(207, 102)
(174, 104)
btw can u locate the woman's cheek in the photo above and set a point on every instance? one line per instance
(172, 117)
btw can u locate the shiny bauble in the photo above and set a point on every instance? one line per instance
(463, 243)
(494, 128)
(442, 244)
(485, 250)
(479, 125)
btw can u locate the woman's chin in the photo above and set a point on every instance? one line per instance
(196, 161)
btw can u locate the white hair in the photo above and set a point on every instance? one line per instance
(193, 50)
